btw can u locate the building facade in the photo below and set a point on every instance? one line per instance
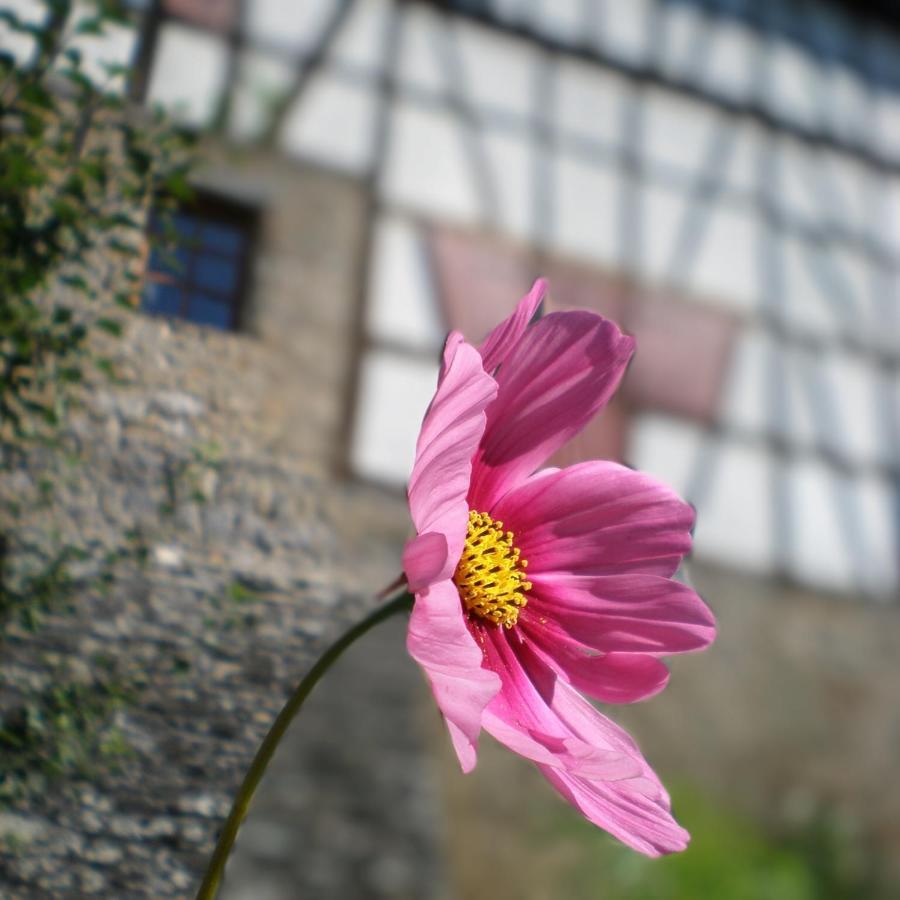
(721, 177)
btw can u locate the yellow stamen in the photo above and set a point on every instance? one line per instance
(491, 575)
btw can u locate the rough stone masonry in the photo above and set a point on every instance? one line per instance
(247, 564)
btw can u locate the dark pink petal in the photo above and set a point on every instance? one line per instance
(608, 677)
(450, 433)
(498, 344)
(597, 518)
(439, 640)
(558, 375)
(618, 613)
(520, 717)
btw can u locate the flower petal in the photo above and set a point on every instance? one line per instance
(439, 640)
(634, 808)
(450, 433)
(558, 375)
(619, 613)
(424, 559)
(597, 518)
(500, 342)
(643, 824)
(520, 717)
(609, 677)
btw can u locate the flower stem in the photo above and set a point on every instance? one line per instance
(209, 887)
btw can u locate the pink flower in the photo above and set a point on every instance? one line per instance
(533, 585)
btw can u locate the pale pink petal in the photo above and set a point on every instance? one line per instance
(643, 824)
(618, 613)
(570, 754)
(635, 810)
(558, 375)
(450, 433)
(498, 344)
(597, 518)
(439, 640)
(424, 559)
(608, 677)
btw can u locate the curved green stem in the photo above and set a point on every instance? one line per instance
(267, 748)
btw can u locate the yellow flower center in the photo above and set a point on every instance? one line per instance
(490, 574)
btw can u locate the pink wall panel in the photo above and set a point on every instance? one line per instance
(479, 279)
(683, 348)
(218, 15)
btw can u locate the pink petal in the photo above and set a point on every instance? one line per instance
(609, 677)
(635, 810)
(450, 433)
(439, 640)
(520, 717)
(597, 518)
(558, 375)
(424, 559)
(498, 344)
(569, 754)
(624, 613)
(643, 824)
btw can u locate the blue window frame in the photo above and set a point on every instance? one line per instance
(200, 274)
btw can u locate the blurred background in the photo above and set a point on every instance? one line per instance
(720, 177)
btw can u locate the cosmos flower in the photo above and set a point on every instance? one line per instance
(534, 587)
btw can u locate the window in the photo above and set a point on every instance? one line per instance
(203, 277)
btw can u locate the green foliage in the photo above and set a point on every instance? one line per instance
(78, 172)
(235, 610)
(729, 858)
(62, 730)
(41, 584)
(183, 478)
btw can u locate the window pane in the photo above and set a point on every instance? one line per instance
(170, 261)
(190, 70)
(163, 299)
(222, 238)
(215, 273)
(206, 310)
(184, 225)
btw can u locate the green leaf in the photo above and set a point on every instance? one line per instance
(92, 25)
(13, 22)
(106, 366)
(115, 70)
(119, 246)
(70, 374)
(76, 282)
(35, 94)
(110, 326)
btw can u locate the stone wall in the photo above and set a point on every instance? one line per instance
(242, 583)
(204, 474)
(280, 386)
